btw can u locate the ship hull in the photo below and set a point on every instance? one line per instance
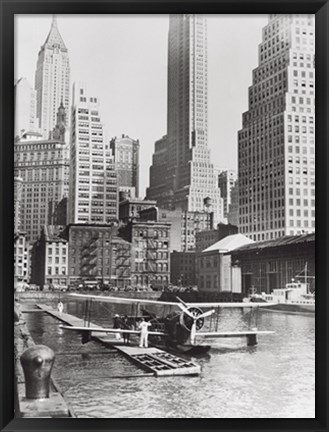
(291, 308)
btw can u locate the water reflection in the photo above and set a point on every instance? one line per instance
(273, 379)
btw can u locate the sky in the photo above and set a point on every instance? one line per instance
(123, 60)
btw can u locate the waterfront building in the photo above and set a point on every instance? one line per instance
(233, 209)
(21, 258)
(226, 182)
(50, 259)
(43, 166)
(97, 255)
(182, 268)
(190, 177)
(184, 225)
(208, 237)
(158, 171)
(215, 270)
(129, 209)
(271, 264)
(150, 263)
(93, 194)
(25, 108)
(18, 184)
(52, 80)
(126, 157)
(277, 139)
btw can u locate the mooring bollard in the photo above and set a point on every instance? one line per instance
(37, 363)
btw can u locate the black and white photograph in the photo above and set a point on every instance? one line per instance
(164, 216)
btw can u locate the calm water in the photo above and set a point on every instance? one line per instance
(275, 379)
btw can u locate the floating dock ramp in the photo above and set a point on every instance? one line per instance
(151, 359)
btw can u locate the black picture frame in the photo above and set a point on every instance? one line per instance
(8, 9)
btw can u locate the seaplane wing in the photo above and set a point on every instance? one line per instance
(232, 333)
(123, 300)
(107, 330)
(229, 304)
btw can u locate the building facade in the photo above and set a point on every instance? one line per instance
(130, 209)
(271, 264)
(226, 182)
(277, 139)
(190, 176)
(184, 225)
(18, 185)
(43, 166)
(52, 80)
(97, 255)
(25, 108)
(150, 263)
(21, 258)
(93, 194)
(215, 269)
(126, 156)
(182, 268)
(50, 259)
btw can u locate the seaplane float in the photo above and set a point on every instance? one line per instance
(182, 327)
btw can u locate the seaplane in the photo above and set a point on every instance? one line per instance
(182, 328)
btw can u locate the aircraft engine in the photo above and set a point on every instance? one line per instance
(186, 321)
(179, 325)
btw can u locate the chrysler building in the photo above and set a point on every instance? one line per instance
(52, 79)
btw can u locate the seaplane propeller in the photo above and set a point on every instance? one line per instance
(192, 316)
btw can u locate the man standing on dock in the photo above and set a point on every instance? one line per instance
(143, 326)
(116, 325)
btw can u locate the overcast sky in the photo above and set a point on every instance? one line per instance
(123, 60)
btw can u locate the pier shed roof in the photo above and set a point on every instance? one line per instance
(279, 242)
(229, 243)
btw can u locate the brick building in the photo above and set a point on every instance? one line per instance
(50, 259)
(98, 255)
(150, 243)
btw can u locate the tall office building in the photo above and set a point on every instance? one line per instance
(276, 142)
(25, 108)
(226, 182)
(93, 194)
(158, 171)
(43, 166)
(190, 174)
(52, 80)
(126, 156)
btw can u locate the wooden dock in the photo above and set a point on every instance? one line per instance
(159, 362)
(151, 359)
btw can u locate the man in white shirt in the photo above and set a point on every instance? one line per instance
(143, 326)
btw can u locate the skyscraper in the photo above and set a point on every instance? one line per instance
(43, 166)
(25, 108)
(126, 156)
(226, 182)
(158, 171)
(276, 142)
(52, 80)
(93, 193)
(190, 174)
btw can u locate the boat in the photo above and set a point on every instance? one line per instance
(295, 297)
